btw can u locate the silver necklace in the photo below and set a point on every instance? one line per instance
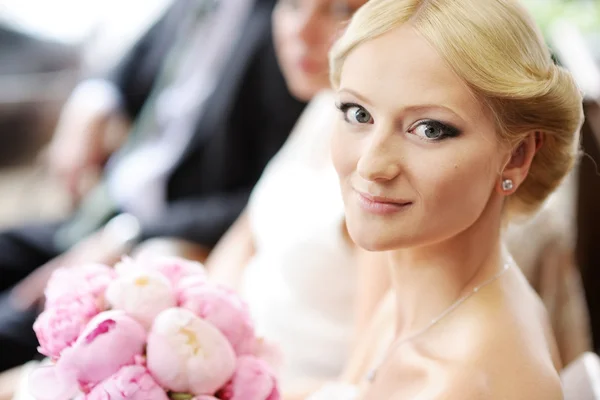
(399, 342)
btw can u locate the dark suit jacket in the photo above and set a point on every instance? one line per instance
(243, 125)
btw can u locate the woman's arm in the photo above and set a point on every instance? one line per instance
(226, 262)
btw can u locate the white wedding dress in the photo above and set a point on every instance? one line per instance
(301, 283)
(336, 391)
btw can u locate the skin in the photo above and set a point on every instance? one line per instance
(304, 31)
(441, 229)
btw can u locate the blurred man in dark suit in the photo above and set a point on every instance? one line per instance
(209, 109)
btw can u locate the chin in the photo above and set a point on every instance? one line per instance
(304, 90)
(383, 243)
(378, 233)
(371, 245)
(301, 95)
(365, 239)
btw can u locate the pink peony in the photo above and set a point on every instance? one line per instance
(59, 326)
(252, 380)
(132, 382)
(110, 341)
(48, 382)
(69, 282)
(173, 268)
(142, 294)
(126, 265)
(269, 352)
(187, 354)
(221, 307)
(204, 397)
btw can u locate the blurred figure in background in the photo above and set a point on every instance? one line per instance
(209, 109)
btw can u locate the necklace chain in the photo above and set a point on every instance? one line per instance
(399, 342)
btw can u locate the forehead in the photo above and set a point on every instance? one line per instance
(400, 69)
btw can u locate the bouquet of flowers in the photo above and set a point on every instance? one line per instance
(148, 329)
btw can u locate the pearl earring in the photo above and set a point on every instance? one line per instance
(507, 185)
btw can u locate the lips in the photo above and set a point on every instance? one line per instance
(381, 205)
(310, 66)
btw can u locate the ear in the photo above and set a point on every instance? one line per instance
(518, 165)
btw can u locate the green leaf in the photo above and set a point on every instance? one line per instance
(180, 396)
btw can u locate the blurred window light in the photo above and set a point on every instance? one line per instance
(572, 30)
(74, 21)
(575, 55)
(62, 20)
(103, 29)
(584, 14)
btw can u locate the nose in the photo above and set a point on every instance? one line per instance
(380, 161)
(308, 26)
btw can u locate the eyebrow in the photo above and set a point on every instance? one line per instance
(413, 108)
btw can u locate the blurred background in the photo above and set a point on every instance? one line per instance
(46, 47)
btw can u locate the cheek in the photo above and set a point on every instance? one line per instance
(283, 36)
(457, 187)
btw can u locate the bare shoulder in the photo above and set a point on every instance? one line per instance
(465, 383)
(477, 377)
(503, 346)
(496, 347)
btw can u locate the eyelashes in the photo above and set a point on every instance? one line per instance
(354, 113)
(426, 129)
(434, 130)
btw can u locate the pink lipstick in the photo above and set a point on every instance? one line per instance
(381, 205)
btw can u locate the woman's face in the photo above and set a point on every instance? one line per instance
(304, 30)
(416, 152)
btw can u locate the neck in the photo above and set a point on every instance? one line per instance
(444, 271)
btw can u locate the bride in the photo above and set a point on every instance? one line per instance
(452, 119)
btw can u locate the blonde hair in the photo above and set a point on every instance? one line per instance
(496, 48)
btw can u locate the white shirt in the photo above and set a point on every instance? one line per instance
(138, 180)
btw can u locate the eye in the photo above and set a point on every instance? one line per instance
(340, 9)
(355, 114)
(434, 130)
